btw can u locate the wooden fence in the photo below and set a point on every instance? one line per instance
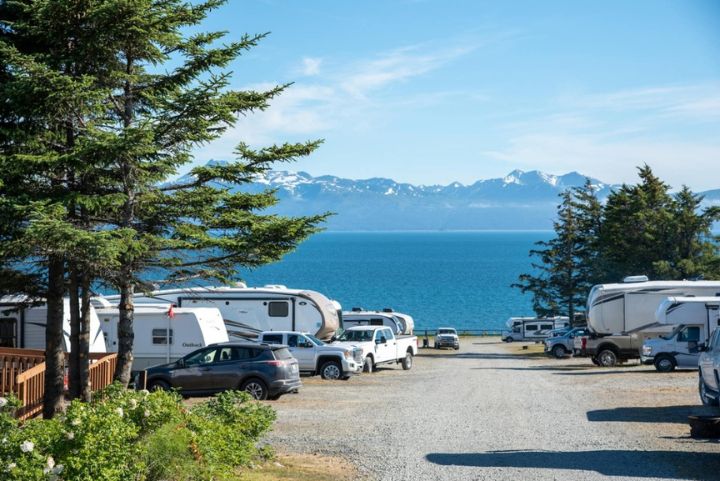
(25, 375)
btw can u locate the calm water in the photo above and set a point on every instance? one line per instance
(460, 279)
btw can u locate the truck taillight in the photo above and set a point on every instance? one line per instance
(276, 363)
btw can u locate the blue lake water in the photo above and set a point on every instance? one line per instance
(460, 279)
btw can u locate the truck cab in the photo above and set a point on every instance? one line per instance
(316, 357)
(679, 349)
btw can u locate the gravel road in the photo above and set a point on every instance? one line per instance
(492, 411)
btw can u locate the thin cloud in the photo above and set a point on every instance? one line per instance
(311, 66)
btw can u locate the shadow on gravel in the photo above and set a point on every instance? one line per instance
(624, 463)
(482, 355)
(537, 368)
(660, 414)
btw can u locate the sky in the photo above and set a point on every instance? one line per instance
(436, 91)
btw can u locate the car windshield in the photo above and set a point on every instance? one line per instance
(667, 337)
(356, 336)
(446, 331)
(315, 340)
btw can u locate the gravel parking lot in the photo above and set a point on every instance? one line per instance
(493, 411)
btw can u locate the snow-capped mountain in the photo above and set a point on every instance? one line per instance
(520, 200)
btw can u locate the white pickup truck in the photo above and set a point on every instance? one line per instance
(379, 346)
(316, 357)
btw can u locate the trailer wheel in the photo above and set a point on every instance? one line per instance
(368, 365)
(705, 397)
(665, 363)
(407, 361)
(559, 351)
(158, 385)
(256, 388)
(607, 358)
(331, 370)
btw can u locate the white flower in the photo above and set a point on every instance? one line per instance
(133, 403)
(4, 440)
(75, 422)
(146, 413)
(120, 412)
(27, 446)
(58, 469)
(11, 466)
(144, 392)
(3, 402)
(50, 462)
(70, 435)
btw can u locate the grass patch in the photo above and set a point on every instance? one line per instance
(302, 467)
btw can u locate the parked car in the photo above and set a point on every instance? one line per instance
(266, 371)
(709, 368)
(379, 346)
(316, 357)
(446, 337)
(562, 345)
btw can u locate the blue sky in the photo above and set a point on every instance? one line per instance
(430, 91)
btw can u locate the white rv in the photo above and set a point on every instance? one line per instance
(532, 328)
(693, 320)
(24, 327)
(372, 318)
(161, 335)
(248, 311)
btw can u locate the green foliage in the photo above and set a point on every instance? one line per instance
(641, 229)
(136, 435)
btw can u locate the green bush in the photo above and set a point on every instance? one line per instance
(134, 435)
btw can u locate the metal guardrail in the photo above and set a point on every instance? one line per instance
(461, 332)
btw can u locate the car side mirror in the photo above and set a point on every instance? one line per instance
(180, 363)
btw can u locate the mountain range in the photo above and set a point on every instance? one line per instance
(519, 201)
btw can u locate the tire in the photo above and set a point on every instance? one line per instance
(368, 365)
(435, 346)
(607, 358)
(706, 399)
(595, 361)
(508, 339)
(256, 388)
(407, 361)
(158, 385)
(665, 363)
(457, 348)
(331, 370)
(559, 351)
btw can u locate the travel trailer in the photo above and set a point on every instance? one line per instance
(248, 311)
(532, 328)
(622, 316)
(372, 318)
(164, 333)
(693, 320)
(24, 327)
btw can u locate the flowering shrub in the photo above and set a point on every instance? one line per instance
(134, 435)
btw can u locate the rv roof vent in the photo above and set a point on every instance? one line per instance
(241, 285)
(630, 279)
(357, 309)
(387, 309)
(275, 286)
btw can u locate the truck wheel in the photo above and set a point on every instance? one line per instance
(331, 370)
(508, 339)
(457, 348)
(407, 361)
(256, 388)
(665, 363)
(607, 358)
(559, 351)
(368, 365)
(705, 397)
(595, 361)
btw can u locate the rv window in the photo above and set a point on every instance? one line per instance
(376, 322)
(273, 338)
(278, 309)
(545, 327)
(531, 327)
(689, 334)
(7, 332)
(160, 336)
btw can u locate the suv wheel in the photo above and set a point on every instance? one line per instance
(331, 370)
(665, 363)
(158, 385)
(559, 351)
(256, 388)
(705, 397)
(368, 365)
(607, 358)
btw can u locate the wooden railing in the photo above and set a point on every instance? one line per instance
(29, 383)
(16, 361)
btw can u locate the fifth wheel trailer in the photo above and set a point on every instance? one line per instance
(622, 316)
(23, 326)
(248, 311)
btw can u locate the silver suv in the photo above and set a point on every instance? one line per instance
(709, 367)
(562, 346)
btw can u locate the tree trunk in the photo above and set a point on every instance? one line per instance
(74, 383)
(84, 342)
(126, 336)
(54, 352)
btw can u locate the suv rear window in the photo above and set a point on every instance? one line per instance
(282, 354)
